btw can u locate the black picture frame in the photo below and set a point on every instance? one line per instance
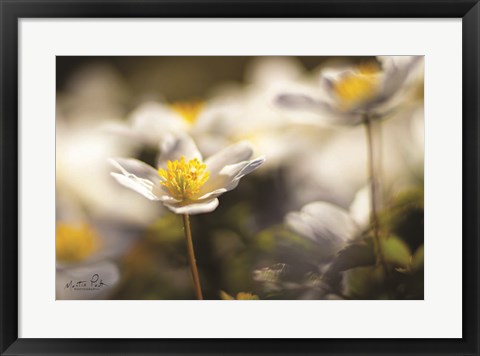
(13, 10)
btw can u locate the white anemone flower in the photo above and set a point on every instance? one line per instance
(234, 112)
(86, 252)
(151, 120)
(329, 225)
(350, 94)
(82, 172)
(183, 182)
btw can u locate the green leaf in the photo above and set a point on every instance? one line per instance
(358, 254)
(395, 251)
(366, 283)
(354, 255)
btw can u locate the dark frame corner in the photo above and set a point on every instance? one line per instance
(12, 10)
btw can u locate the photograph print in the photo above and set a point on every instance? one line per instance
(239, 178)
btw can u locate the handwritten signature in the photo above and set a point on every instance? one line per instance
(95, 283)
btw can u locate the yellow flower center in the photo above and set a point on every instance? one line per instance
(184, 179)
(74, 243)
(189, 110)
(359, 86)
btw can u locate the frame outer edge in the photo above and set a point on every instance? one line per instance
(9, 342)
(471, 169)
(9, 176)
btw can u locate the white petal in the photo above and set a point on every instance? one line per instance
(325, 223)
(141, 186)
(360, 207)
(129, 166)
(201, 207)
(140, 177)
(299, 101)
(390, 63)
(173, 147)
(238, 152)
(351, 116)
(301, 226)
(213, 194)
(331, 75)
(229, 176)
(249, 167)
(327, 111)
(396, 70)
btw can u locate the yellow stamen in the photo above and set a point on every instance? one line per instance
(189, 111)
(359, 86)
(184, 179)
(74, 243)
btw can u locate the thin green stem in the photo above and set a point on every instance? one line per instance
(373, 195)
(191, 257)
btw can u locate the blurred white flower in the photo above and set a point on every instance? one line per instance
(254, 116)
(234, 112)
(183, 182)
(151, 121)
(82, 172)
(329, 225)
(86, 251)
(351, 93)
(334, 169)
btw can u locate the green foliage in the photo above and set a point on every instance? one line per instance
(417, 260)
(355, 272)
(356, 254)
(403, 217)
(166, 229)
(366, 283)
(395, 251)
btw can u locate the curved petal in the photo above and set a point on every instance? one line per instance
(141, 186)
(197, 207)
(229, 177)
(133, 166)
(238, 152)
(329, 76)
(299, 101)
(173, 147)
(396, 71)
(360, 208)
(213, 194)
(352, 115)
(295, 220)
(325, 223)
(331, 114)
(138, 176)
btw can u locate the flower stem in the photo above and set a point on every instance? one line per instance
(373, 195)
(191, 257)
